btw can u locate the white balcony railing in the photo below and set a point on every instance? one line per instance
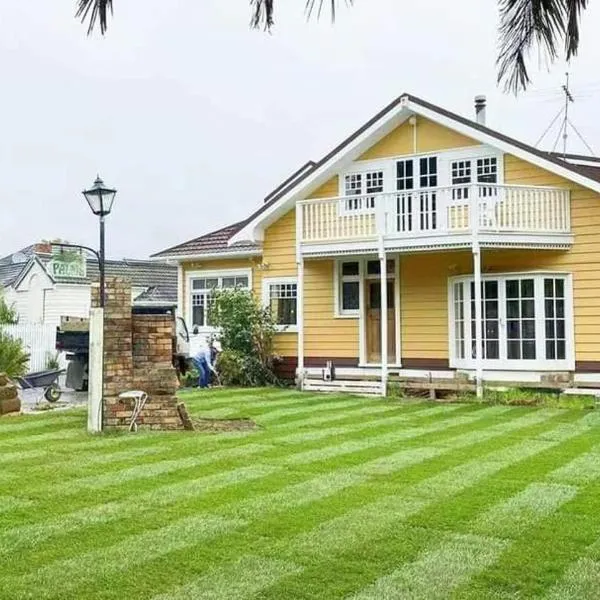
(437, 212)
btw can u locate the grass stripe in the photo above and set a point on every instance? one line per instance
(28, 536)
(151, 470)
(351, 446)
(239, 580)
(9, 503)
(369, 520)
(583, 470)
(62, 576)
(364, 411)
(62, 434)
(437, 573)
(580, 582)
(521, 512)
(36, 422)
(282, 413)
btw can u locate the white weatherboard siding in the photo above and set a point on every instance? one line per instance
(67, 300)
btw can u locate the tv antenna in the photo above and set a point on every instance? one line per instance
(563, 129)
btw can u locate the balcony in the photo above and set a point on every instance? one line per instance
(445, 217)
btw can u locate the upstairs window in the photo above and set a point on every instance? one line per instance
(358, 187)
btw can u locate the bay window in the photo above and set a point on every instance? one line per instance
(526, 322)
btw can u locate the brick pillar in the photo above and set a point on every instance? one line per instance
(138, 354)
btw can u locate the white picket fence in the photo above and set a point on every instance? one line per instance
(38, 339)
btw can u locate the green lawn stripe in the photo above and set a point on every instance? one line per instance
(28, 536)
(521, 512)
(239, 580)
(583, 470)
(364, 411)
(580, 582)
(13, 457)
(145, 471)
(63, 576)
(438, 572)
(339, 449)
(8, 503)
(40, 438)
(309, 436)
(370, 520)
(35, 423)
(282, 413)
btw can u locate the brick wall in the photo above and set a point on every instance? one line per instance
(137, 356)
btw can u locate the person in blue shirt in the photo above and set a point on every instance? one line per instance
(204, 361)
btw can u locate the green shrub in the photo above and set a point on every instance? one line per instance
(13, 358)
(52, 362)
(246, 332)
(237, 369)
(8, 314)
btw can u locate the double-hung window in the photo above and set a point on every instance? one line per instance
(202, 288)
(360, 190)
(348, 288)
(526, 322)
(281, 296)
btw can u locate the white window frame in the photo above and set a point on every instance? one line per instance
(266, 294)
(363, 199)
(540, 363)
(338, 279)
(218, 274)
(445, 160)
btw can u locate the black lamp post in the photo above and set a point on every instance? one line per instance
(100, 198)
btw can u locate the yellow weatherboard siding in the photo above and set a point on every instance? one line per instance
(324, 335)
(431, 137)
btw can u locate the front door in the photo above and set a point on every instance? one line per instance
(373, 321)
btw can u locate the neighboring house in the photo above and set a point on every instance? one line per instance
(44, 286)
(488, 245)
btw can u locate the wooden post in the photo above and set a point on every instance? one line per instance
(384, 319)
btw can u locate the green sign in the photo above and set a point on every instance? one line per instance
(67, 265)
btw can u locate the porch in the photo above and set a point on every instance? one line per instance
(499, 315)
(441, 217)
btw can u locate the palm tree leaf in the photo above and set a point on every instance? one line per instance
(94, 11)
(525, 24)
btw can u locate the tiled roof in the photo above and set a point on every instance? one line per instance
(215, 242)
(9, 273)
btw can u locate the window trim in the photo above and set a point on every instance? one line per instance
(537, 364)
(338, 311)
(445, 158)
(205, 274)
(267, 282)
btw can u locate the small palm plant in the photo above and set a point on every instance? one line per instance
(13, 357)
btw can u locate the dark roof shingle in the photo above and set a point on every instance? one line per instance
(213, 242)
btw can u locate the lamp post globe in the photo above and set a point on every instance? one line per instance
(100, 200)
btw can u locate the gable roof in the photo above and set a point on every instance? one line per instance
(394, 114)
(213, 243)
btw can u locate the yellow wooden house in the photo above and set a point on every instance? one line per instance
(425, 245)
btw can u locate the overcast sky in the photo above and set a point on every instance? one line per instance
(194, 117)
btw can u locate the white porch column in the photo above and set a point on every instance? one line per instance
(384, 319)
(477, 284)
(300, 297)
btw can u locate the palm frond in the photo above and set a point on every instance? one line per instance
(525, 24)
(263, 10)
(94, 11)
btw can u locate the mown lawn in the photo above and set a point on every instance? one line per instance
(334, 497)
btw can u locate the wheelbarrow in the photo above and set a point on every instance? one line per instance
(47, 381)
